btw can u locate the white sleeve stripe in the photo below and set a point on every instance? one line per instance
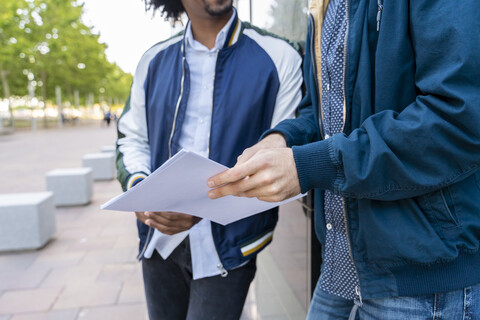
(134, 178)
(133, 124)
(288, 63)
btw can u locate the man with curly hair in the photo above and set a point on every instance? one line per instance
(212, 89)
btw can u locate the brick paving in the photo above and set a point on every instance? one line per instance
(89, 271)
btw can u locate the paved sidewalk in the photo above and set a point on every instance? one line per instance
(89, 271)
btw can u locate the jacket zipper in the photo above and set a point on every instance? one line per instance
(379, 13)
(177, 108)
(149, 234)
(315, 73)
(347, 5)
(211, 117)
(140, 255)
(223, 271)
(358, 293)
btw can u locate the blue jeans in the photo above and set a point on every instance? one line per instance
(455, 305)
(172, 294)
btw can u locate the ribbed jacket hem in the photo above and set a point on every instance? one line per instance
(413, 280)
(314, 166)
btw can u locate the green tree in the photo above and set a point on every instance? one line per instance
(13, 21)
(45, 41)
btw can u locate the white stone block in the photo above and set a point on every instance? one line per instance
(102, 164)
(70, 186)
(27, 220)
(109, 149)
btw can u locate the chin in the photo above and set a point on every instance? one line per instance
(218, 7)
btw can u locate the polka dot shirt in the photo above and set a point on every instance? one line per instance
(338, 272)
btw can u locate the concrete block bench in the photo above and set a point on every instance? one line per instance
(70, 186)
(102, 164)
(27, 220)
(109, 149)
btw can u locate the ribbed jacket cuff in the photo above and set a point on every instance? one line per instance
(314, 166)
(134, 179)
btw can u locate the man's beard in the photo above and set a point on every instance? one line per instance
(217, 8)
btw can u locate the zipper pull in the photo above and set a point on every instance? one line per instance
(358, 295)
(379, 14)
(357, 304)
(223, 271)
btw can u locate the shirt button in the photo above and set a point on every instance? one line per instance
(329, 226)
(201, 120)
(328, 86)
(327, 136)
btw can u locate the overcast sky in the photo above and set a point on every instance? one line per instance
(129, 31)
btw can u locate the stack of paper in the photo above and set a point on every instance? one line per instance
(180, 185)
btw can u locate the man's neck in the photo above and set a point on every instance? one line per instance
(205, 30)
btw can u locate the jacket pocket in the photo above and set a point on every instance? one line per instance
(440, 208)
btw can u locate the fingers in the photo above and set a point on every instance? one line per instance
(237, 173)
(168, 222)
(246, 155)
(245, 165)
(266, 185)
(141, 216)
(235, 189)
(171, 219)
(164, 229)
(272, 176)
(247, 187)
(270, 193)
(243, 177)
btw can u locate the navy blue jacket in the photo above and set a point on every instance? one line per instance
(407, 163)
(258, 81)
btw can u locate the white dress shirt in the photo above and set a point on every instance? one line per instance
(195, 136)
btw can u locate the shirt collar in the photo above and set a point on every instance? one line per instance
(219, 42)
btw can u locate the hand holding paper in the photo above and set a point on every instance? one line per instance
(168, 222)
(273, 140)
(180, 185)
(266, 171)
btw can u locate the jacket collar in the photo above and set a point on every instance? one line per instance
(232, 33)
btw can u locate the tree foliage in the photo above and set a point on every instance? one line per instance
(46, 42)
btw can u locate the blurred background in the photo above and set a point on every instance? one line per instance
(62, 61)
(65, 67)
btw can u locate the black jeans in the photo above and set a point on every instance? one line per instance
(172, 293)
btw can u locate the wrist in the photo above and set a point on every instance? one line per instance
(275, 140)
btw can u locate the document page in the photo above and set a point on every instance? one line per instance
(180, 185)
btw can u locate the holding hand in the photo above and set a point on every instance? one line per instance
(267, 173)
(274, 140)
(168, 222)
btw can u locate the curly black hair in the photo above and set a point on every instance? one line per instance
(169, 8)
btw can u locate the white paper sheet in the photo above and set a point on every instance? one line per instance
(180, 185)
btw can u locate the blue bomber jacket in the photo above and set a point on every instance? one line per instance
(258, 82)
(407, 162)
